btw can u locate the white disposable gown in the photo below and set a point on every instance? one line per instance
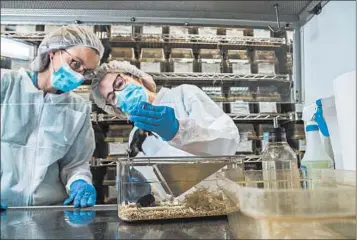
(204, 130)
(204, 127)
(46, 142)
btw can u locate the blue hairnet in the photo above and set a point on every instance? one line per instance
(63, 38)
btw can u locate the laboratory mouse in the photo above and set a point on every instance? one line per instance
(136, 144)
(145, 201)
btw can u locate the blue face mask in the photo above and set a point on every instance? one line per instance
(66, 79)
(130, 97)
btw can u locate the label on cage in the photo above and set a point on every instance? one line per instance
(121, 29)
(266, 68)
(154, 67)
(211, 67)
(267, 107)
(241, 68)
(183, 67)
(152, 30)
(240, 107)
(261, 33)
(207, 31)
(116, 148)
(178, 30)
(234, 32)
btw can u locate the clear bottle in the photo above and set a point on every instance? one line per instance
(315, 154)
(279, 160)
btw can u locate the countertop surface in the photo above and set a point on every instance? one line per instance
(102, 222)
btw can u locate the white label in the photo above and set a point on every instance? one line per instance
(121, 29)
(152, 30)
(116, 148)
(289, 36)
(211, 67)
(234, 32)
(245, 146)
(266, 68)
(154, 67)
(178, 31)
(261, 33)
(302, 145)
(183, 67)
(240, 107)
(267, 107)
(241, 68)
(207, 31)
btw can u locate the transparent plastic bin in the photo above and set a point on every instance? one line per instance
(152, 60)
(211, 60)
(294, 204)
(266, 61)
(240, 94)
(182, 187)
(151, 33)
(123, 54)
(181, 60)
(121, 32)
(238, 61)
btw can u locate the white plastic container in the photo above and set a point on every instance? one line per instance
(315, 155)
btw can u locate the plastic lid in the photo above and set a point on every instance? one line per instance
(277, 134)
(310, 128)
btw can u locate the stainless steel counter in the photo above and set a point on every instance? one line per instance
(101, 222)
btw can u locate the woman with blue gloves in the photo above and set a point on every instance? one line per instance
(46, 133)
(184, 116)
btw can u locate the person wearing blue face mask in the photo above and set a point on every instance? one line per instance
(184, 116)
(47, 139)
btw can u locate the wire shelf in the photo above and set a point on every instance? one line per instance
(167, 38)
(236, 117)
(218, 77)
(259, 116)
(202, 39)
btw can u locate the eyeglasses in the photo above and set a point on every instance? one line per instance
(77, 66)
(119, 84)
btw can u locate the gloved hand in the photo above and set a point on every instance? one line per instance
(158, 119)
(82, 194)
(79, 218)
(3, 207)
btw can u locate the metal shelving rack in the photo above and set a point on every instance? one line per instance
(256, 14)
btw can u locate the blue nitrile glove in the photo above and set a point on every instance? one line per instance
(82, 194)
(158, 119)
(137, 186)
(79, 218)
(3, 207)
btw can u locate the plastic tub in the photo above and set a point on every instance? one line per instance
(181, 187)
(293, 204)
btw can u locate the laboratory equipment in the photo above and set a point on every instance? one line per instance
(183, 187)
(321, 206)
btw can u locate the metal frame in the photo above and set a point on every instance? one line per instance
(67, 16)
